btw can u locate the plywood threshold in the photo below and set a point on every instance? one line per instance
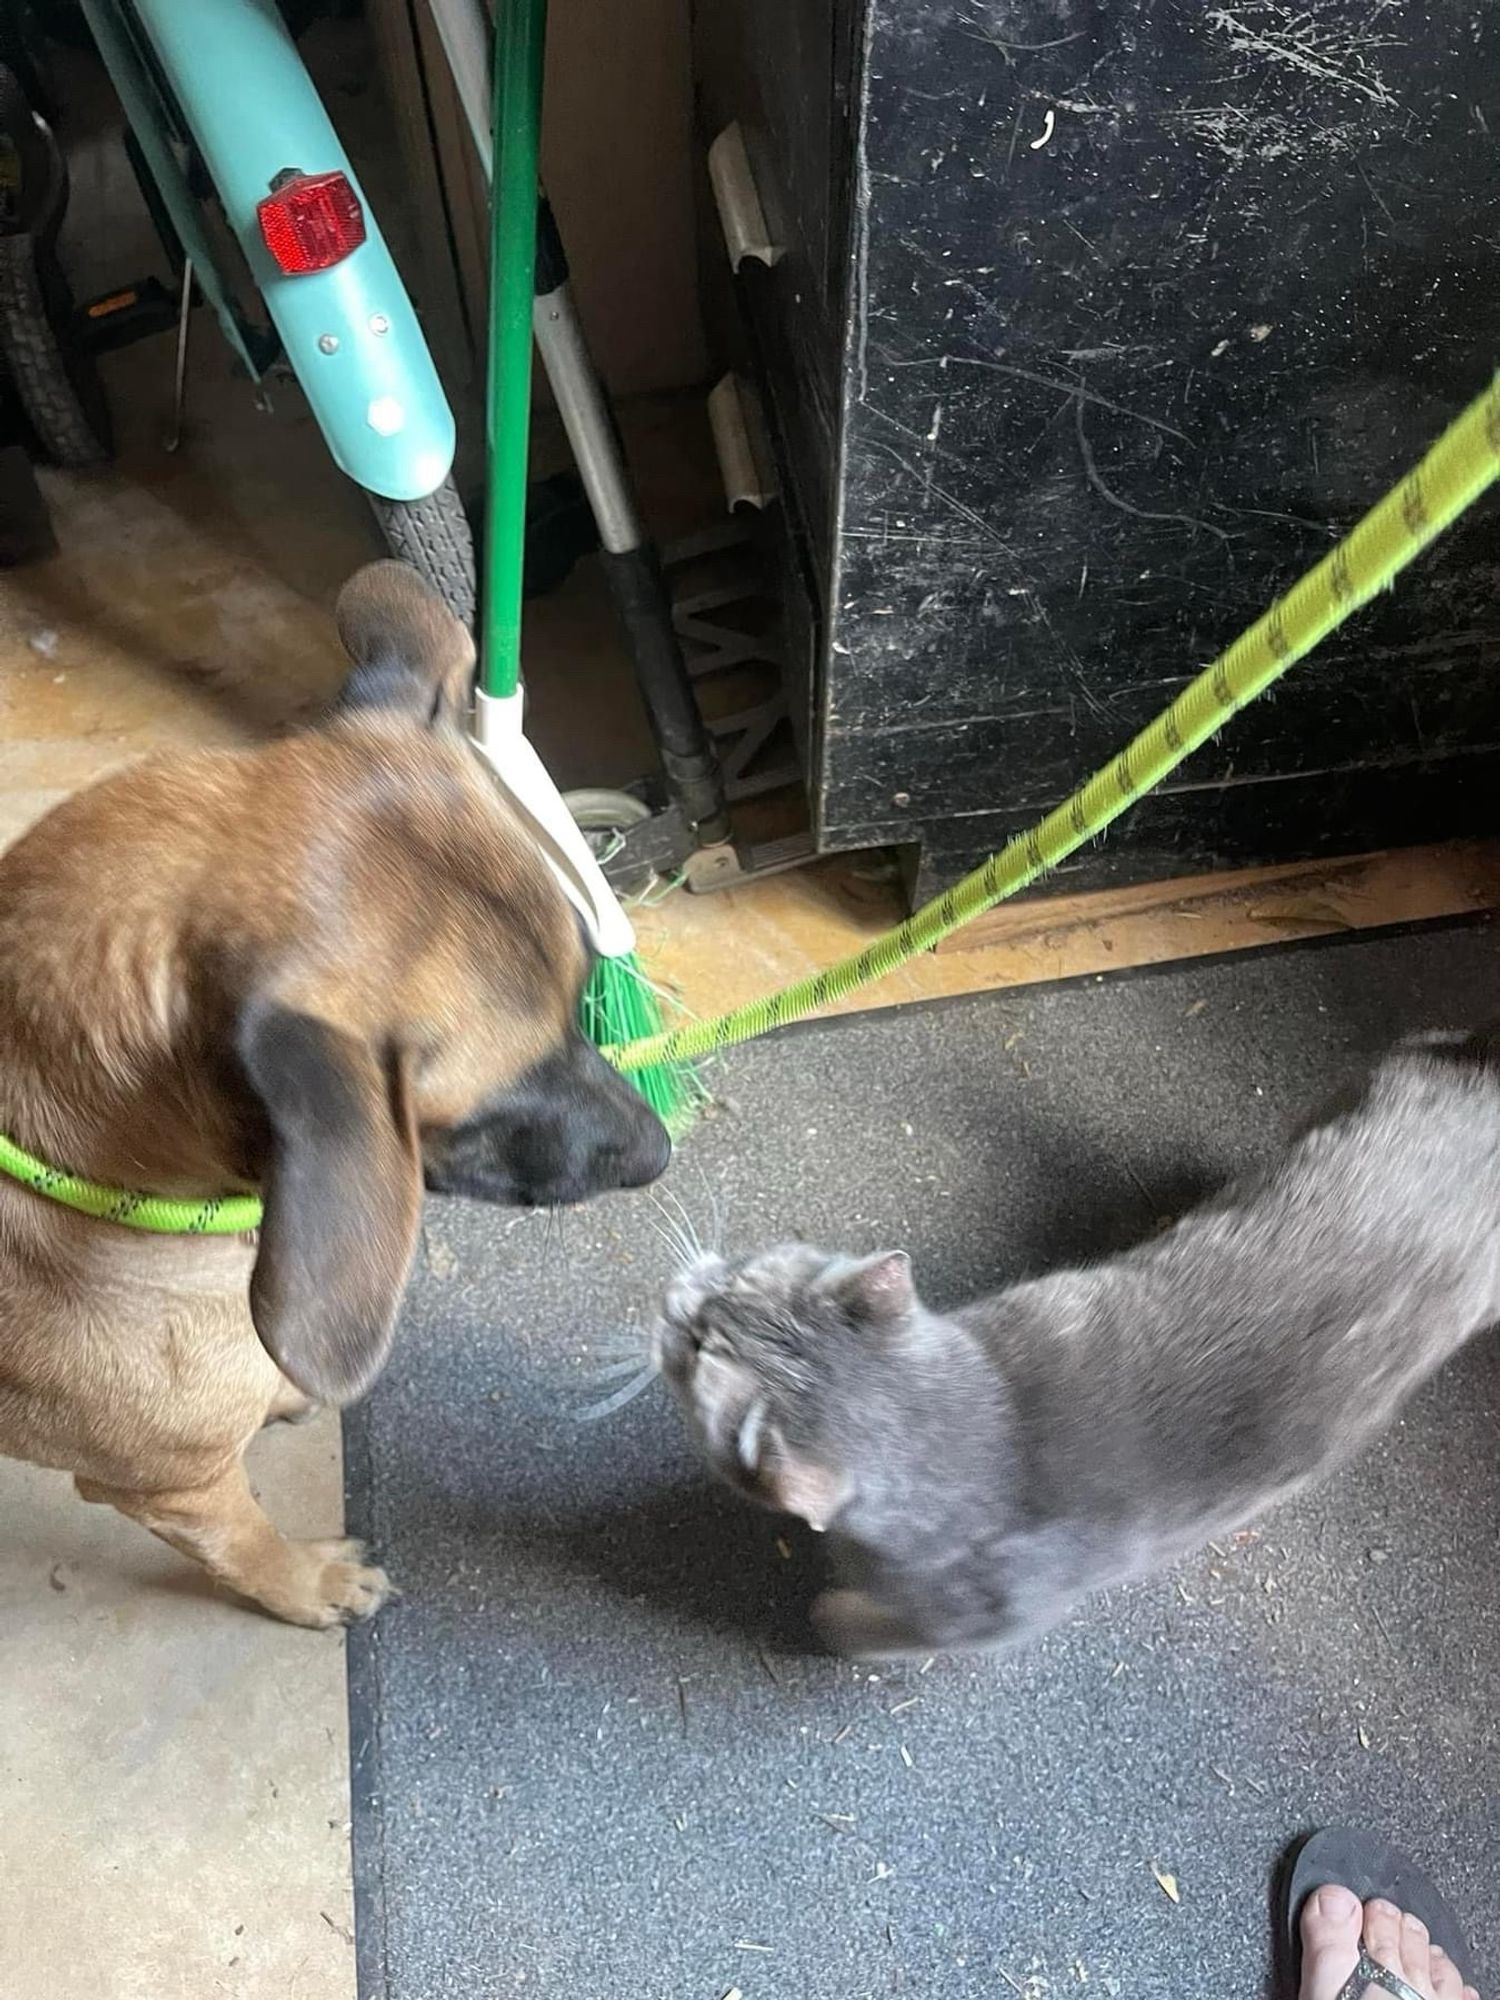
(716, 952)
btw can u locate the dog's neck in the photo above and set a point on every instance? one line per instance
(96, 1257)
(104, 1071)
(148, 1132)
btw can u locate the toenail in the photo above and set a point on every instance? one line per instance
(1379, 1907)
(1335, 1903)
(1413, 1923)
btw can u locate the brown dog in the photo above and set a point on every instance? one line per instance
(325, 969)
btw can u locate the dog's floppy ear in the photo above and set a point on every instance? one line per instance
(342, 1195)
(411, 656)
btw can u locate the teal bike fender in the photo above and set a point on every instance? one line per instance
(350, 333)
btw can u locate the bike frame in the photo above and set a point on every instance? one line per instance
(226, 73)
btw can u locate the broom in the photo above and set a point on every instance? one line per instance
(619, 1003)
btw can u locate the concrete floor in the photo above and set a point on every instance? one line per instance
(174, 1814)
(173, 1768)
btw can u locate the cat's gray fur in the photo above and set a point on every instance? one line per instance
(980, 1471)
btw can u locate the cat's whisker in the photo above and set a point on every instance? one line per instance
(591, 1413)
(716, 1205)
(687, 1234)
(663, 1221)
(670, 1219)
(672, 1233)
(675, 1248)
(551, 1231)
(689, 1228)
(612, 1371)
(697, 1238)
(562, 1233)
(622, 1340)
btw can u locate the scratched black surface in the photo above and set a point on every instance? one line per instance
(593, 1753)
(1107, 315)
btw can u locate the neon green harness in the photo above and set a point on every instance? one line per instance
(1458, 469)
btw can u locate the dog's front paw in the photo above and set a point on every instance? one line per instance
(330, 1584)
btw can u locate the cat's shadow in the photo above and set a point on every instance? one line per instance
(685, 1548)
(1099, 1200)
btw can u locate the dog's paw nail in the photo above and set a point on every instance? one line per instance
(336, 1586)
(353, 1591)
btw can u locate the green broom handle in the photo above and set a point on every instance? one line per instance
(520, 38)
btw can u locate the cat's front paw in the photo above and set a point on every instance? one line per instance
(854, 1623)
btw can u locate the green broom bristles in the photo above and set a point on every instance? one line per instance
(619, 1005)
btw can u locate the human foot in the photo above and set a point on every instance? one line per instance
(1333, 1924)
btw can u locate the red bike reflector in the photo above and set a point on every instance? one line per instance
(311, 222)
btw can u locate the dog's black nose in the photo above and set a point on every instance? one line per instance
(656, 1157)
(636, 1161)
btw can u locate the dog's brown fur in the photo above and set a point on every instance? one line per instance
(295, 968)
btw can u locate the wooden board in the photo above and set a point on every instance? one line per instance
(1241, 907)
(716, 952)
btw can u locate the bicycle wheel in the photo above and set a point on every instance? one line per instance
(602, 816)
(433, 535)
(59, 392)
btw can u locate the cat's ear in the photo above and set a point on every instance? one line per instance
(785, 1479)
(879, 1288)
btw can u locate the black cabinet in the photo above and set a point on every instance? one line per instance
(1094, 324)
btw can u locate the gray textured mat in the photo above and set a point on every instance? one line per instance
(593, 1760)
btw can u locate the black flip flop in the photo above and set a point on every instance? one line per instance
(1368, 1866)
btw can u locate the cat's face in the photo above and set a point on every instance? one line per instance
(759, 1354)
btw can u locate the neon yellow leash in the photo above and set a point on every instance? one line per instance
(1459, 467)
(223, 1215)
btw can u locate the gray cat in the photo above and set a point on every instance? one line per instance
(980, 1471)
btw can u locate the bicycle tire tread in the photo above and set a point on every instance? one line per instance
(433, 535)
(34, 357)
